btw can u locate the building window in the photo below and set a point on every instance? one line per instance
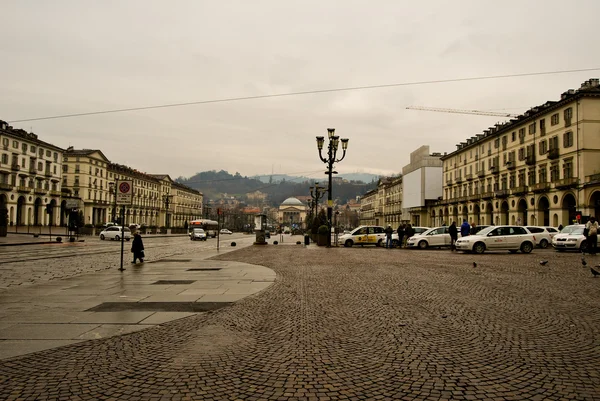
(512, 180)
(532, 128)
(40, 166)
(568, 116)
(543, 174)
(65, 168)
(553, 143)
(522, 135)
(32, 148)
(543, 127)
(554, 173)
(4, 158)
(521, 178)
(48, 153)
(41, 152)
(568, 168)
(554, 119)
(504, 142)
(496, 143)
(514, 136)
(531, 176)
(521, 153)
(568, 139)
(16, 144)
(543, 147)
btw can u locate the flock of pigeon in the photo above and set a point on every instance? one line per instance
(595, 272)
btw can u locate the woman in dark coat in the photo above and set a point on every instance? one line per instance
(137, 247)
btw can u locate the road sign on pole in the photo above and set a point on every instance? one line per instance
(125, 192)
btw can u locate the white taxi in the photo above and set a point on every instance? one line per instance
(497, 238)
(364, 235)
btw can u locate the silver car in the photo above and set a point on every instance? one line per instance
(114, 232)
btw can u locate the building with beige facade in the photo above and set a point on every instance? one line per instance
(30, 171)
(292, 211)
(368, 204)
(536, 169)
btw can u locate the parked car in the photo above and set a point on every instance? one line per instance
(475, 230)
(114, 232)
(543, 235)
(198, 234)
(570, 238)
(225, 231)
(496, 238)
(364, 235)
(418, 230)
(434, 237)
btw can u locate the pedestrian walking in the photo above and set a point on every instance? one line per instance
(592, 235)
(465, 228)
(453, 231)
(388, 236)
(137, 247)
(400, 232)
(409, 232)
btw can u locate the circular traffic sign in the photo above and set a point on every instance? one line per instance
(124, 187)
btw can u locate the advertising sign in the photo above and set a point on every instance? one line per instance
(125, 192)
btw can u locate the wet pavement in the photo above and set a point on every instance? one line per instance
(350, 324)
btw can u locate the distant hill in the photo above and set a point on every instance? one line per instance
(364, 177)
(213, 184)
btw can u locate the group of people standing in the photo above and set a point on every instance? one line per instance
(465, 230)
(405, 231)
(591, 235)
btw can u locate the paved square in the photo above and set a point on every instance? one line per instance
(354, 324)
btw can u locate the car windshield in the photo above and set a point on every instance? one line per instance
(486, 230)
(572, 229)
(577, 231)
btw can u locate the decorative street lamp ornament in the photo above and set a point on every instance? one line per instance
(329, 161)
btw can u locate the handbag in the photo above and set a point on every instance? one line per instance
(586, 232)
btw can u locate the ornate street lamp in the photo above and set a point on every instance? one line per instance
(332, 149)
(316, 193)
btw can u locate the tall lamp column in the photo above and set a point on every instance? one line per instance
(329, 160)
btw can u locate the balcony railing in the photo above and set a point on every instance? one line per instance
(519, 190)
(540, 187)
(469, 177)
(458, 180)
(21, 188)
(474, 197)
(15, 167)
(530, 160)
(481, 173)
(5, 186)
(511, 165)
(502, 193)
(593, 179)
(553, 153)
(32, 171)
(495, 170)
(566, 183)
(40, 191)
(487, 195)
(48, 173)
(55, 193)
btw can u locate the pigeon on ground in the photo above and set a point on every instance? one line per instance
(595, 272)
(474, 264)
(543, 262)
(583, 262)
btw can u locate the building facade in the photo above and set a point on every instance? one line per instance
(292, 212)
(422, 187)
(538, 169)
(367, 208)
(30, 172)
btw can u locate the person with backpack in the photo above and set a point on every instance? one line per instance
(592, 235)
(453, 231)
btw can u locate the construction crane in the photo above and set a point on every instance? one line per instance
(458, 111)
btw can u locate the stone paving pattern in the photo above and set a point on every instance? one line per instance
(354, 324)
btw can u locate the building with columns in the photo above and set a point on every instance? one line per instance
(537, 169)
(30, 171)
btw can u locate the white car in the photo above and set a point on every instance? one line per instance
(198, 234)
(543, 235)
(114, 232)
(364, 235)
(225, 231)
(417, 230)
(570, 238)
(434, 237)
(496, 238)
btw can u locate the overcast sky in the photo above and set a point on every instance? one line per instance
(63, 57)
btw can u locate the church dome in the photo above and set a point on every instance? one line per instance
(292, 202)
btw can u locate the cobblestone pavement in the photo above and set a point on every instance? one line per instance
(354, 324)
(34, 264)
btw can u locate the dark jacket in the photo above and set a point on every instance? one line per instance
(389, 231)
(409, 231)
(400, 231)
(137, 245)
(453, 231)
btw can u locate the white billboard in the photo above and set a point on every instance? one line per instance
(412, 191)
(433, 182)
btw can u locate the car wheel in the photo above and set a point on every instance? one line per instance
(395, 243)
(423, 244)
(479, 248)
(102, 237)
(380, 243)
(526, 247)
(348, 243)
(117, 238)
(544, 243)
